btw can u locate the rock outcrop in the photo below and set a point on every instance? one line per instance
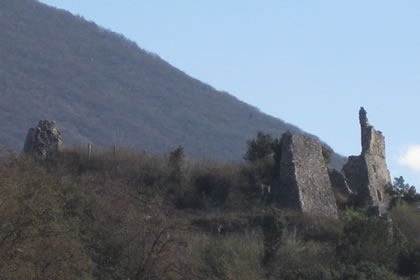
(367, 175)
(43, 140)
(304, 181)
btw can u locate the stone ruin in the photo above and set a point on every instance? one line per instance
(367, 175)
(307, 185)
(43, 140)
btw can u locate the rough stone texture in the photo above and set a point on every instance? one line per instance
(339, 182)
(43, 140)
(367, 174)
(354, 172)
(304, 181)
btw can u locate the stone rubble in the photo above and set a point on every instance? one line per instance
(43, 140)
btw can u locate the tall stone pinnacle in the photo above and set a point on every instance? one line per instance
(367, 174)
(363, 117)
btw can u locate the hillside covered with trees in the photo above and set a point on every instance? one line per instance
(103, 88)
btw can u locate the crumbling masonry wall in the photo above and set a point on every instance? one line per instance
(367, 175)
(304, 182)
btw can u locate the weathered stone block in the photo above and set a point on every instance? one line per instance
(43, 140)
(304, 181)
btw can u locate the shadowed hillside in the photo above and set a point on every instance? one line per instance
(103, 88)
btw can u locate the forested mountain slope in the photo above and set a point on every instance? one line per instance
(103, 88)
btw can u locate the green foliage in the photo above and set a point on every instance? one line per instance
(403, 191)
(407, 217)
(263, 159)
(115, 216)
(263, 171)
(150, 241)
(316, 228)
(274, 230)
(399, 186)
(315, 272)
(371, 240)
(350, 213)
(211, 185)
(409, 263)
(36, 239)
(264, 145)
(362, 271)
(367, 271)
(231, 259)
(297, 258)
(228, 223)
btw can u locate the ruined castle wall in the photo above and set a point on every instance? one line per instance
(304, 180)
(339, 182)
(355, 173)
(378, 177)
(367, 174)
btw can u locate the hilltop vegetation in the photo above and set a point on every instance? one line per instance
(130, 215)
(103, 88)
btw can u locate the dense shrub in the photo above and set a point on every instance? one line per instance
(367, 271)
(407, 218)
(118, 216)
(316, 228)
(371, 240)
(274, 231)
(230, 259)
(37, 240)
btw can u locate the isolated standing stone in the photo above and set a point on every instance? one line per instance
(304, 181)
(367, 175)
(43, 140)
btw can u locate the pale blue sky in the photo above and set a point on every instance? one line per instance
(310, 63)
